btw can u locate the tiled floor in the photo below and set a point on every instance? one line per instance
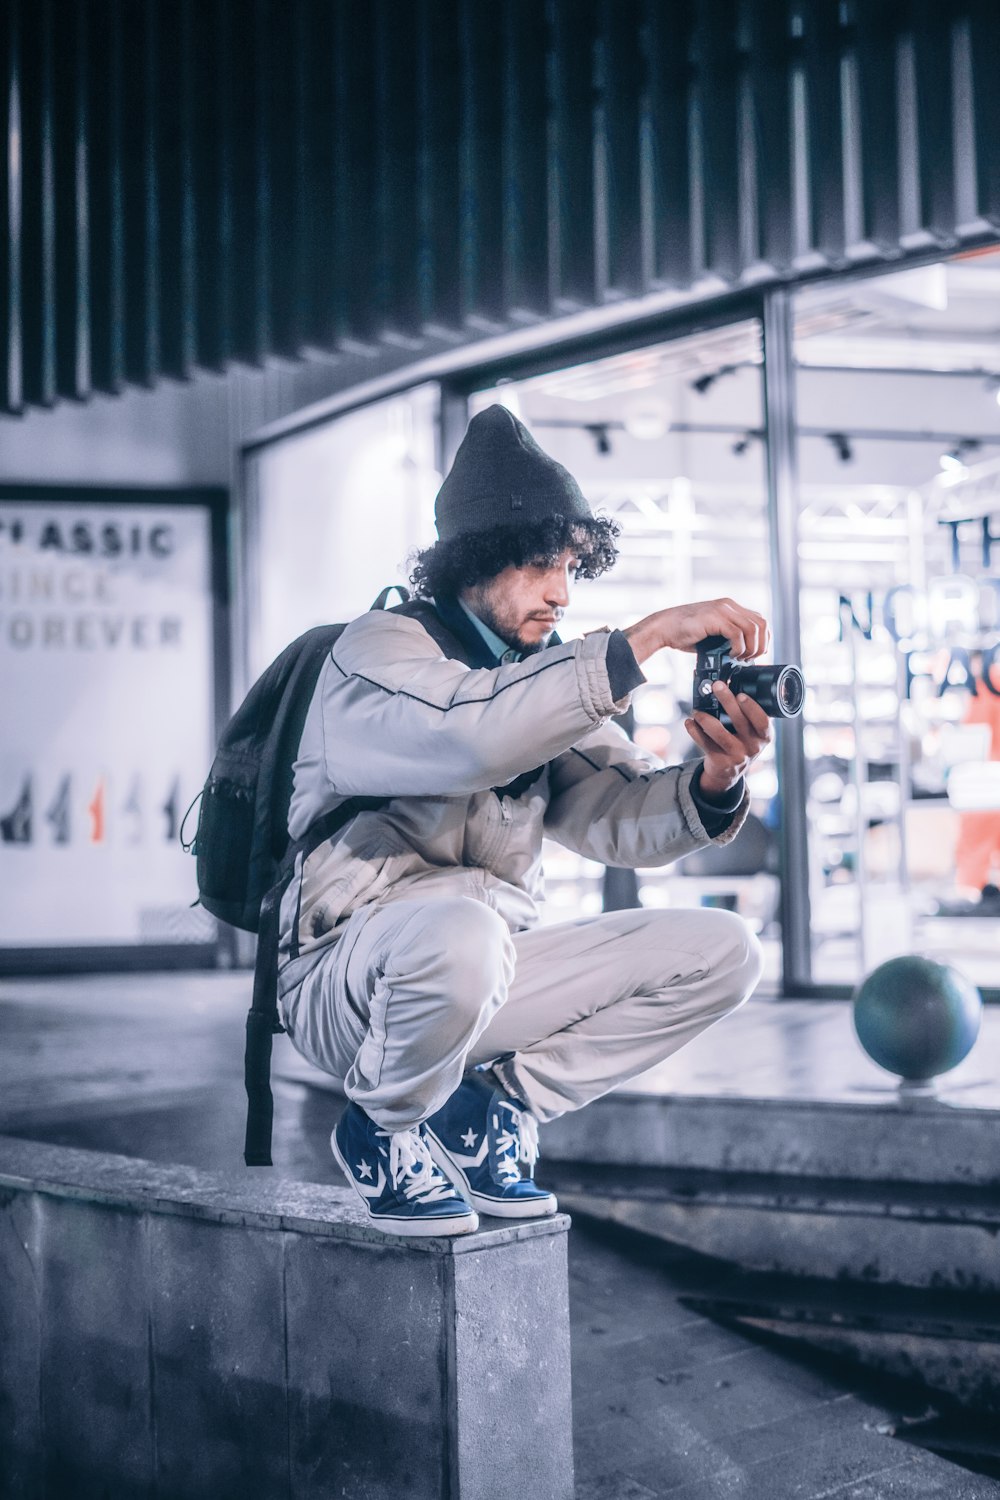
(807, 1049)
(666, 1403)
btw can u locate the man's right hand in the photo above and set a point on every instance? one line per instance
(682, 627)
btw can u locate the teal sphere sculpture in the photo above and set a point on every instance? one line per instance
(917, 1018)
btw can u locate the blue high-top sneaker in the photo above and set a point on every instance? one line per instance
(479, 1139)
(393, 1174)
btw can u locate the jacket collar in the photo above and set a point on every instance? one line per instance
(474, 646)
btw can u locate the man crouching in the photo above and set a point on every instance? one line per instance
(413, 968)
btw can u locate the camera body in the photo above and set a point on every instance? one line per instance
(779, 689)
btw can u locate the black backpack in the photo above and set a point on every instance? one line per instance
(242, 839)
(244, 855)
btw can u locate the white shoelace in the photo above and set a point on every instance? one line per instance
(520, 1140)
(410, 1157)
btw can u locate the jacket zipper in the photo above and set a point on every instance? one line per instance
(500, 834)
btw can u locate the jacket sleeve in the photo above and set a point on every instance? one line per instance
(613, 802)
(400, 719)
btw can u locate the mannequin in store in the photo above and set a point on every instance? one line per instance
(413, 968)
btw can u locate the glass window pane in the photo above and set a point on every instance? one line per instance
(899, 466)
(338, 509)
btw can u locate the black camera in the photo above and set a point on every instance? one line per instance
(779, 690)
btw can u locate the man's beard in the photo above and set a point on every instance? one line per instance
(507, 632)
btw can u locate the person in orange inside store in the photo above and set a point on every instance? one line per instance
(977, 852)
(412, 965)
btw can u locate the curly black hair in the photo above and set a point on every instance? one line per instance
(442, 571)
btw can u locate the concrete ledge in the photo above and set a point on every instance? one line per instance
(173, 1332)
(922, 1142)
(902, 1195)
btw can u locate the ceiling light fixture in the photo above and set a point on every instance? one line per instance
(646, 417)
(842, 446)
(703, 384)
(599, 432)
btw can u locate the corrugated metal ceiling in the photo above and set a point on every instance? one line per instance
(193, 183)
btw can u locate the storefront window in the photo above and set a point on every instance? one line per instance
(336, 510)
(899, 468)
(668, 440)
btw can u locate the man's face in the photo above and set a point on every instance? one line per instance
(524, 605)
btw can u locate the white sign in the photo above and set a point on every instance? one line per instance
(105, 697)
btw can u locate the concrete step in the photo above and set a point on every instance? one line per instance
(845, 1230)
(876, 1140)
(948, 1342)
(167, 1331)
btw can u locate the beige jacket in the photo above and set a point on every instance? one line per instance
(478, 765)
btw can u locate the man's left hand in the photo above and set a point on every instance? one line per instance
(729, 753)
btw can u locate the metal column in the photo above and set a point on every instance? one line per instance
(783, 523)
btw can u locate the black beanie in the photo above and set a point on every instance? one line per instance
(501, 477)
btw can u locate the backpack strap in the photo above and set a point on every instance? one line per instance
(450, 629)
(262, 1024)
(391, 588)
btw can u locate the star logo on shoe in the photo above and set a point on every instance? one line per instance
(469, 1138)
(364, 1170)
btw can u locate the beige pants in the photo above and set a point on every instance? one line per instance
(417, 991)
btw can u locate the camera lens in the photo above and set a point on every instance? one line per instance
(780, 690)
(789, 692)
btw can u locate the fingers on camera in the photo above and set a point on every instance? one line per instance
(749, 634)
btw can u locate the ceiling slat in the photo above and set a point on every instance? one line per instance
(526, 221)
(38, 205)
(882, 136)
(572, 268)
(105, 189)
(621, 91)
(353, 231)
(175, 157)
(481, 167)
(718, 95)
(141, 190)
(669, 183)
(822, 48)
(11, 341)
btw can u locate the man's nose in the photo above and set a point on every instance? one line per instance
(557, 587)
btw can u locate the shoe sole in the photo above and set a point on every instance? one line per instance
(414, 1229)
(499, 1208)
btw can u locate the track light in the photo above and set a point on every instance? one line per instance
(704, 383)
(742, 443)
(599, 433)
(842, 446)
